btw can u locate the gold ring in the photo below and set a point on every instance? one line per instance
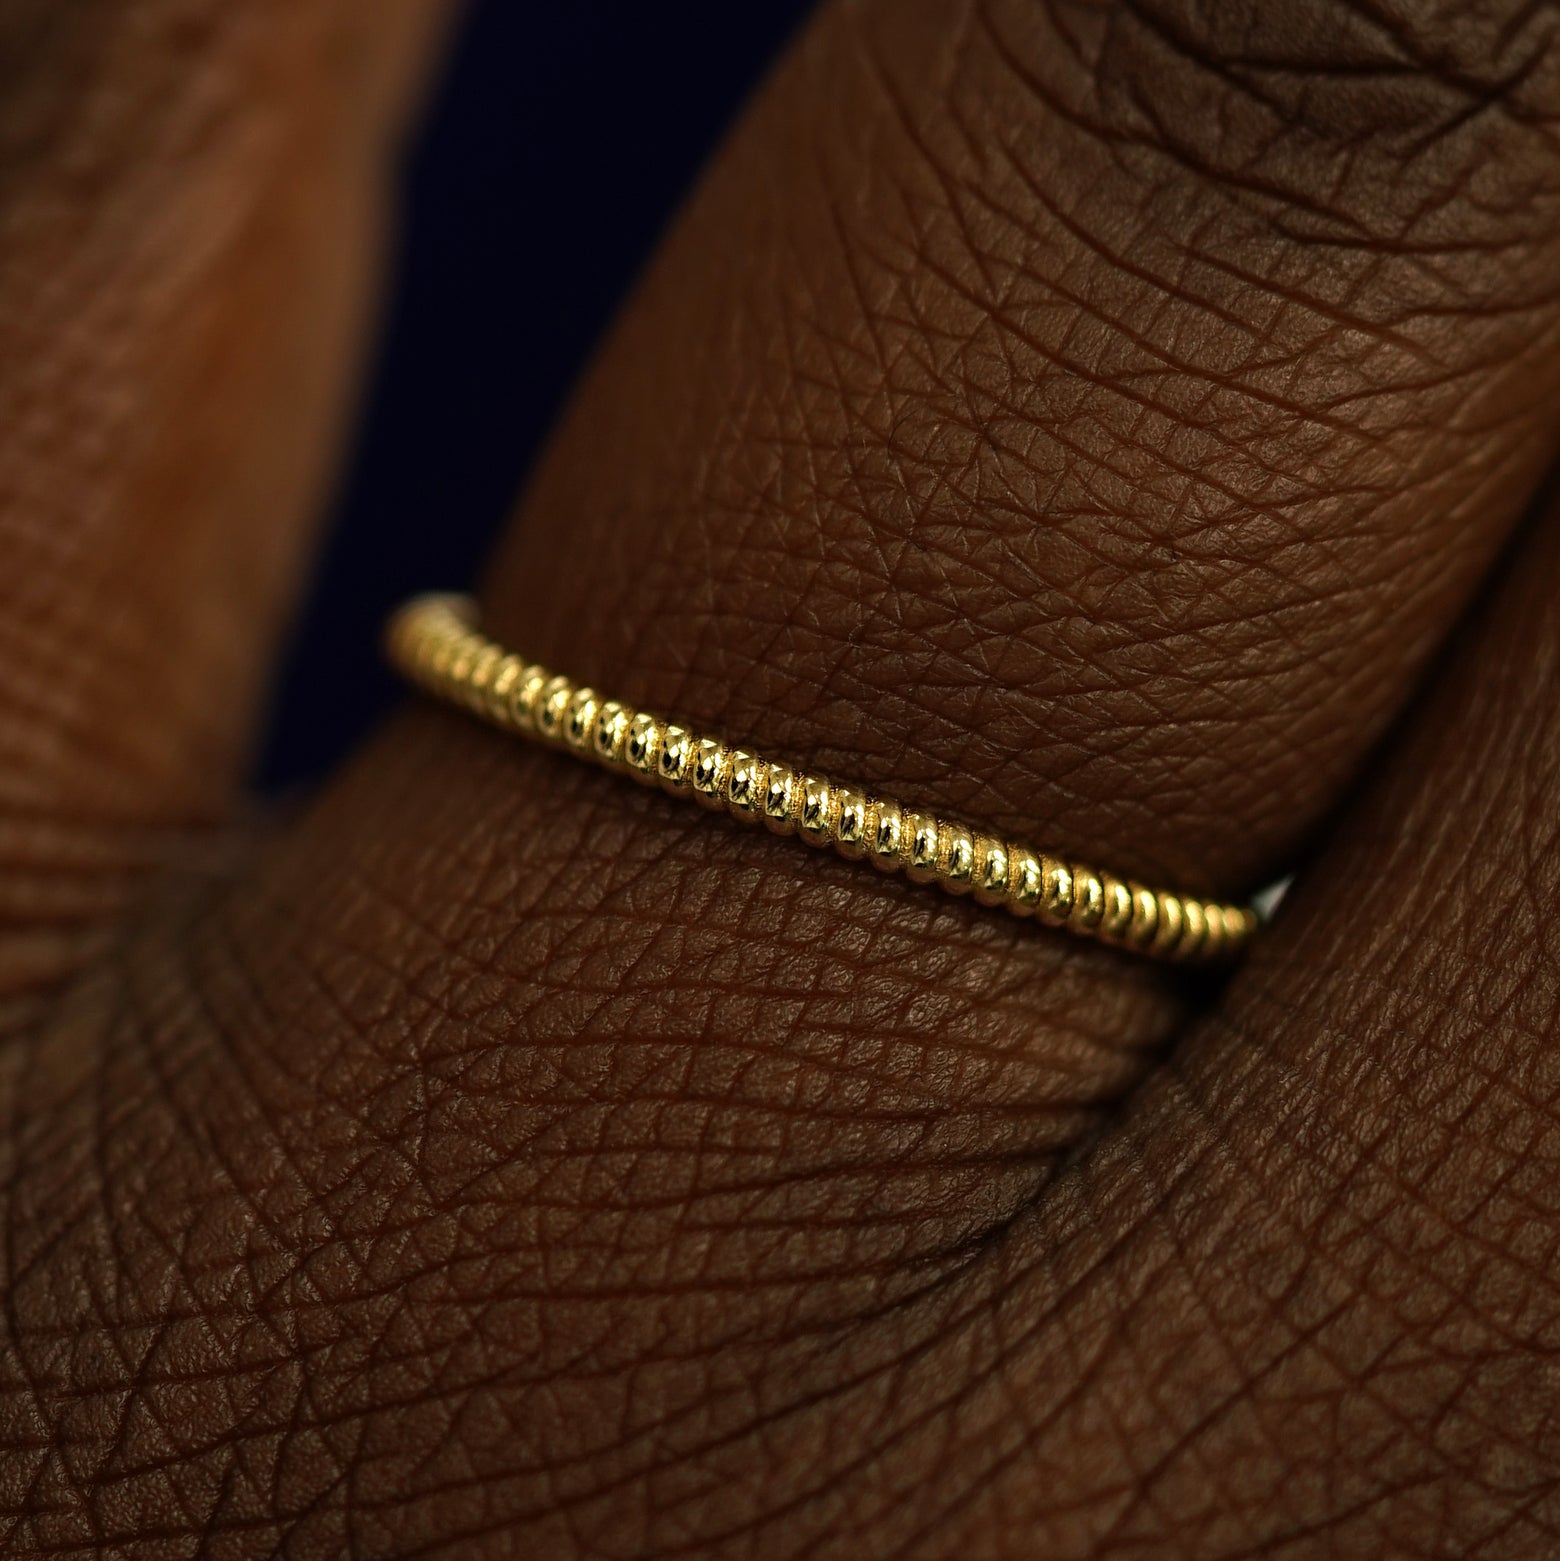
(435, 642)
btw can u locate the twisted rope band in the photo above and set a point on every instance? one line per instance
(434, 641)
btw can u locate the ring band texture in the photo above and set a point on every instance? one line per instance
(436, 643)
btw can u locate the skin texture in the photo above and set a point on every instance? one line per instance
(1122, 423)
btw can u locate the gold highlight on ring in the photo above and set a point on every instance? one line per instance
(435, 641)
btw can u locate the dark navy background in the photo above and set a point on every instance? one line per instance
(561, 140)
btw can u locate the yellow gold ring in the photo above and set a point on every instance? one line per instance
(436, 643)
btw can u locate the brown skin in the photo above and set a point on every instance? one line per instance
(1090, 416)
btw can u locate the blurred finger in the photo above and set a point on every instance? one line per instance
(191, 198)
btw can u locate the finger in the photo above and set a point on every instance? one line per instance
(1084, 418)
(190, 206)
